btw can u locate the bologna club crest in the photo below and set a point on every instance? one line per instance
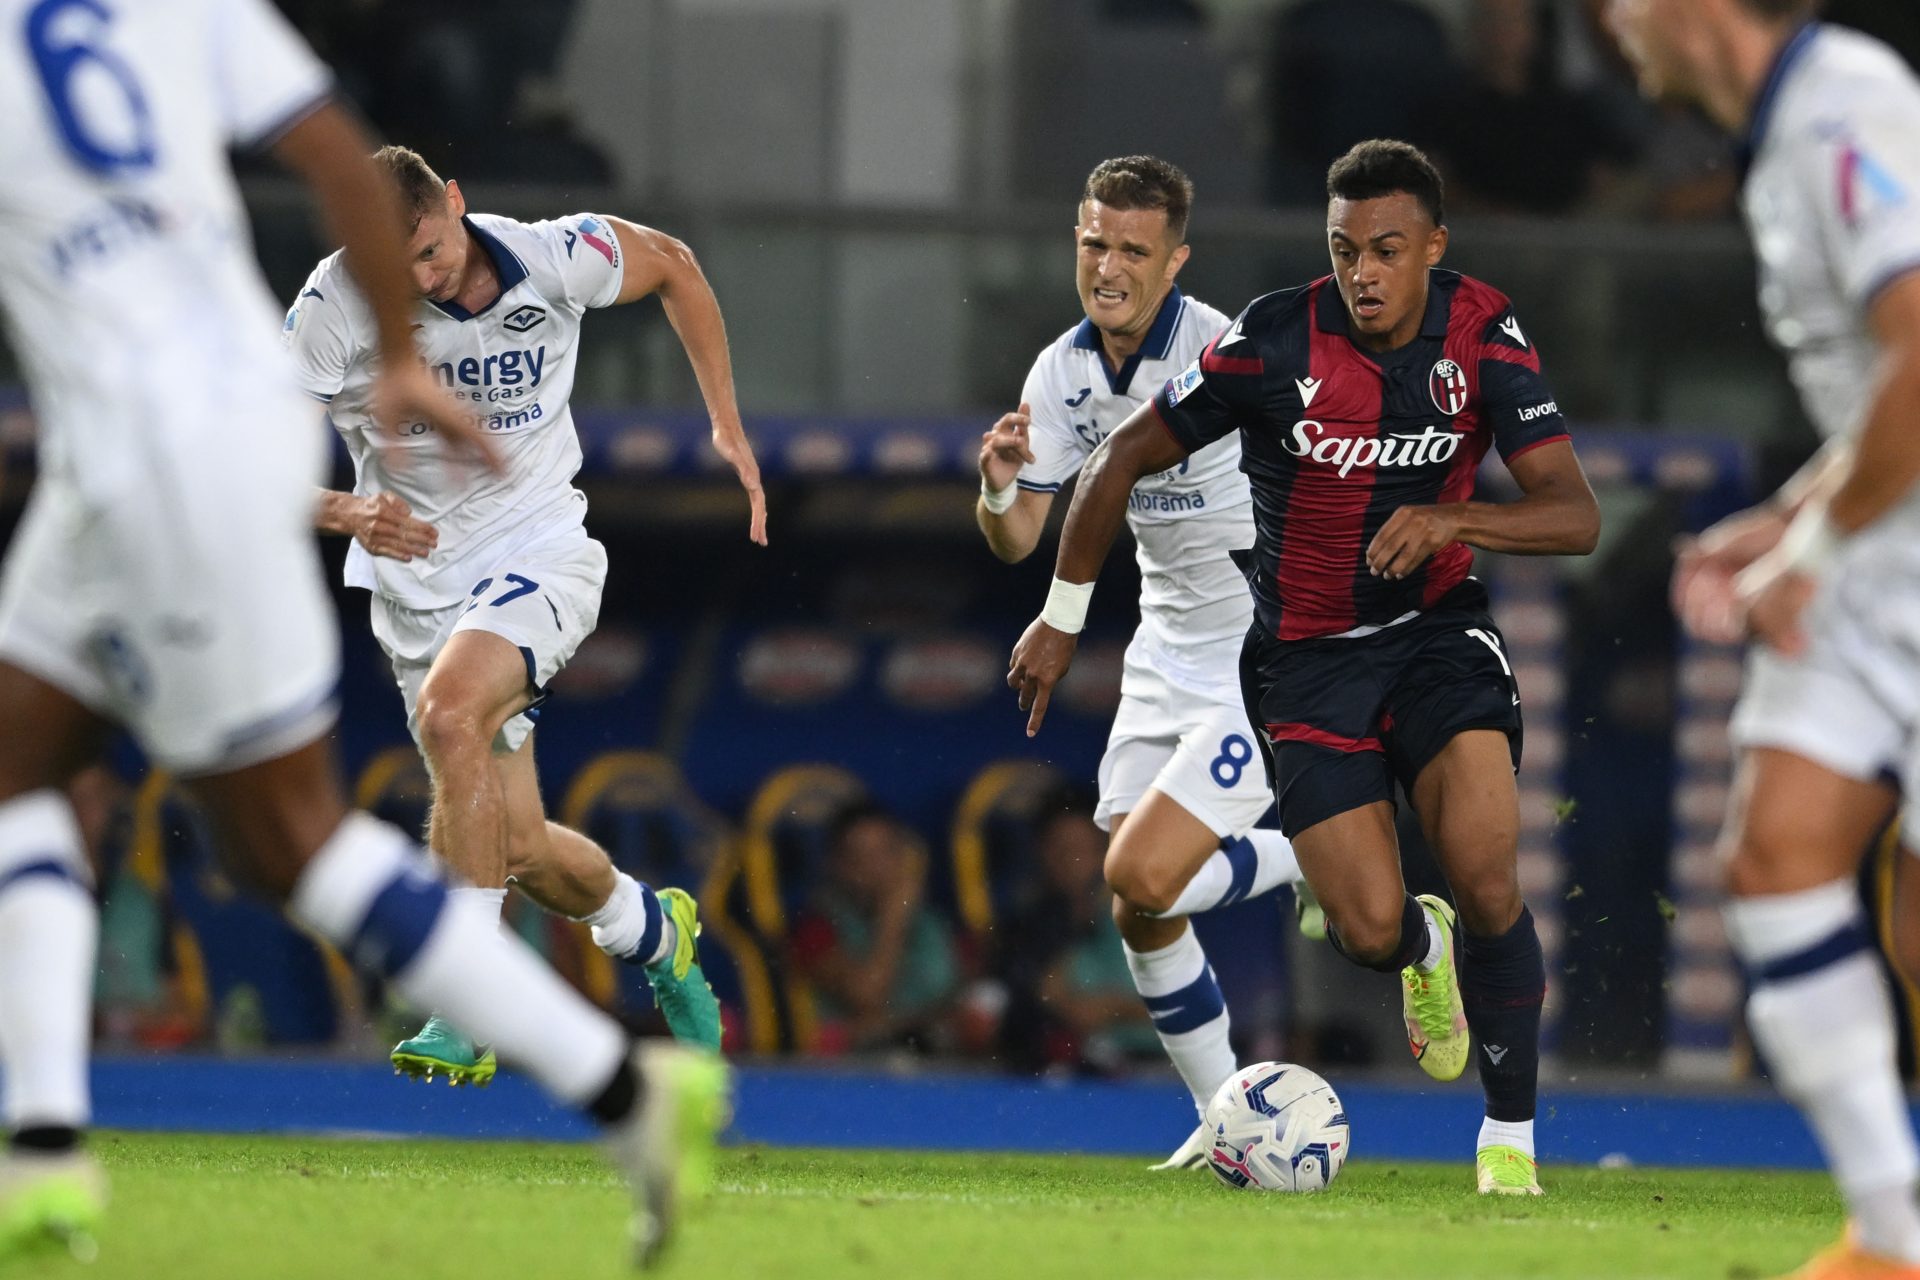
(1447, 384)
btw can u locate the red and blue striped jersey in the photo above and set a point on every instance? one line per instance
(1335, 439)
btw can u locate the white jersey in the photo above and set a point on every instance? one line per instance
(513, 362)
(1833, 201)
(126, 267)
(1194, 604)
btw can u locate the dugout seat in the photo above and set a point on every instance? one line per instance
(992, 841)
(238, 959)
(750, 898)
(396, 788)
(637, 806)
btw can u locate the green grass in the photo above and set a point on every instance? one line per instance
(205, 1208)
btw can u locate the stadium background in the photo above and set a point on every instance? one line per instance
(881, 195)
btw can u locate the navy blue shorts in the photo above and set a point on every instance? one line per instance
(1344, 720)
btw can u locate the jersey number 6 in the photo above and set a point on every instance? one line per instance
(65, 38)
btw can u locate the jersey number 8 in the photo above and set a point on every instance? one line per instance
(65, 38)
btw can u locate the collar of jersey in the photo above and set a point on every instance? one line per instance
(505, 261)
(1783, 64)
(1330, 311)
(1155, 346)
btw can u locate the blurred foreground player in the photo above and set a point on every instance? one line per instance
(164, 576)
(485, 583)
(1825, 575)
(1181, 784)
(1364, 403)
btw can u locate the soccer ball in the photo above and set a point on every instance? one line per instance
(1277, 1127)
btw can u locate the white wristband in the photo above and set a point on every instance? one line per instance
(1810, 541)
(998, 501)
(1067, 606)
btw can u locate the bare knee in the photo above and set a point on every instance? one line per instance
(1369, 929)
(1138, 885)
(1488, 899)
(450, 729)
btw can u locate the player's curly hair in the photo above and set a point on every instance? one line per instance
(1384, 167)
(421, 189)
(1143, 182)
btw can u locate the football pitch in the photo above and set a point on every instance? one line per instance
(205, 1208)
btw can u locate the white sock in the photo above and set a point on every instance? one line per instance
(1436, 949)
(1246, 867)
(494, 898)
(1506, 1133)
(376, 895)
(49, 929)
(621, 925)
(1188, 1011)
(1820, 1014)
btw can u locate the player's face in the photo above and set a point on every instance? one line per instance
(1656, 36)
(1381, 251)
(438, 249)
(1127, 261)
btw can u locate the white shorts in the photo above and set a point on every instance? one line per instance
(1851, 703)
(542, 598)
(1194, 746)
(191, 609)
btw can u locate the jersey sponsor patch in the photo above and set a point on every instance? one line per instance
(1182, 384)
(595, 235)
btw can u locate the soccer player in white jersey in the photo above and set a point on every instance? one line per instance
(1182, 783)
(164, 576)
(486, 584)
(1825, 576)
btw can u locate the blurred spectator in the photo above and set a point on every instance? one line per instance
(1343, 71)
(1513, 137)
(1070, 1001)
(884, 966)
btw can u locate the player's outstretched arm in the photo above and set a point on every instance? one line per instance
(1556, 514)
(332, 154)
(383, 523)
(1704, 567)
(1011, 518)
(1874, 478)
(1141, 446)
(654, 262)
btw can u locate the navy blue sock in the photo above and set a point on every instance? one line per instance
(1413, 941)
(1503, 981)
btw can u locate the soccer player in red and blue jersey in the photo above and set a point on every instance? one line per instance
(1365, 402)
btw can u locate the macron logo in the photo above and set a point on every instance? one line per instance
(1511, 327)
(1230, 337)
(1496, 1052)
(1309, 388)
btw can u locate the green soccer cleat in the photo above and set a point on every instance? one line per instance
(666, 1146)
(1430, 1002)
(51, 1201)
(440, 1050)
(679, 988)
(1308, 913)
(1507, 1171)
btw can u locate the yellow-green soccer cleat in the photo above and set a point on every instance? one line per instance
(1507, 1171)
(679, 987)
(1436, 1020)
(1308, 914)
(666, 1146)
(440, 1050)
(51, 1202)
